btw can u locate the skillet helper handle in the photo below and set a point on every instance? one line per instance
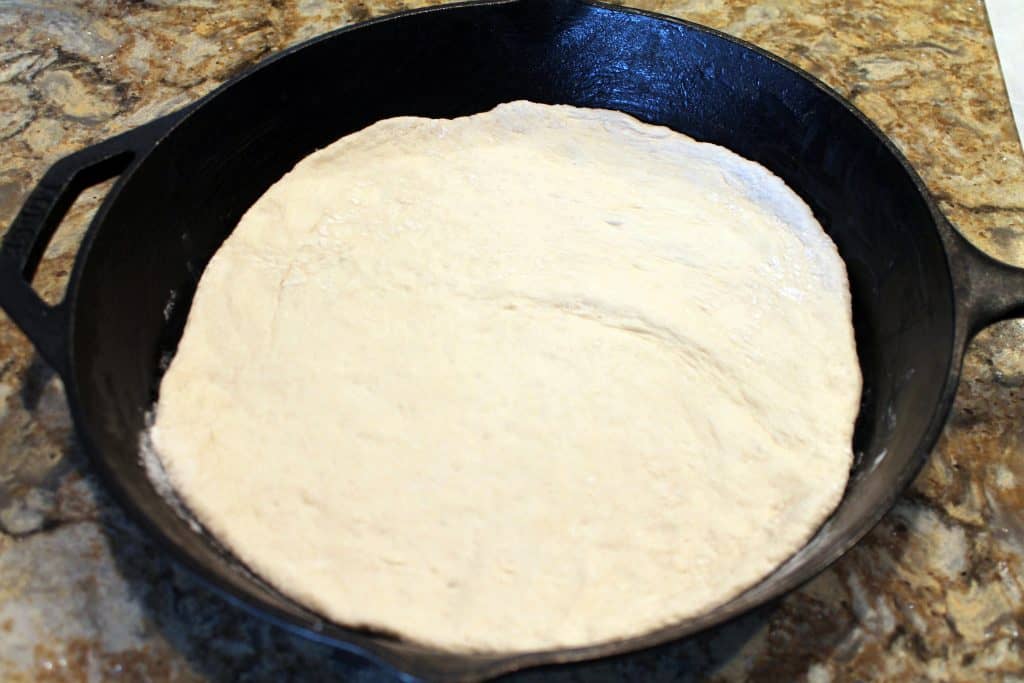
(988, 290)
(25, 241)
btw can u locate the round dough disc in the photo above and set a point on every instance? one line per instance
(536, 378)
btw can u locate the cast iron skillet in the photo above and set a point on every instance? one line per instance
(920, 291)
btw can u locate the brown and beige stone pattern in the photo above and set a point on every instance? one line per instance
(934, 593)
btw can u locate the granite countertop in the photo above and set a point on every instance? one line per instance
(935, 592)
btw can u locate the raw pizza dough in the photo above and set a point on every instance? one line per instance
(535, 378)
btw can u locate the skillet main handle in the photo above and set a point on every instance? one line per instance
(25, 241)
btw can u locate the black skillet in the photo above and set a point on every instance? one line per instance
(920, 291)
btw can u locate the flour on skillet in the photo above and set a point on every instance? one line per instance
(536, 378)
(154, 468)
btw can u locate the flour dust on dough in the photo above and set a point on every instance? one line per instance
(535, 378)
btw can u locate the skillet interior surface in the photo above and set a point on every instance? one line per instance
(140, 265)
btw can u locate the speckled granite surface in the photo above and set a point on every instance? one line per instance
(935, 592)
